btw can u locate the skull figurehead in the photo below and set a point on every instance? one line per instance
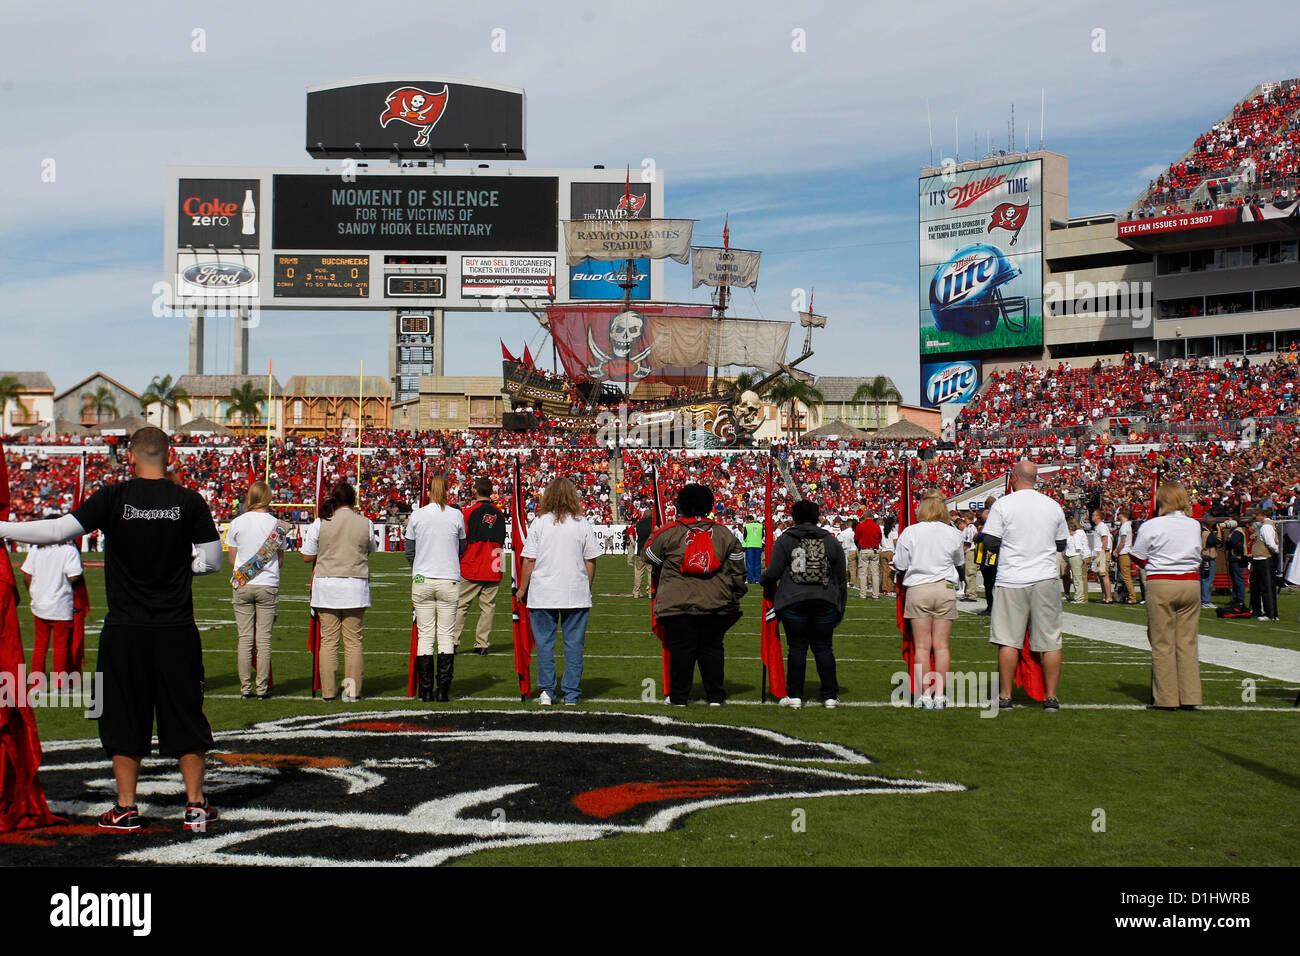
(625, 330)
(748, 411)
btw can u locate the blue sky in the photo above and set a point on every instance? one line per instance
(815, 154)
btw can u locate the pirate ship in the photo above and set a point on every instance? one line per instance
(605, 348)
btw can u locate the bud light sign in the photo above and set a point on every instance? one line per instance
(591, 279)
(949, 382)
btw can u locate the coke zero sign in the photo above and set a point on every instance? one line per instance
(225, 213)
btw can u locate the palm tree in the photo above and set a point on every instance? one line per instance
(162, 392)
(790, 389)
(876, 392)
(10, 389)
(746, 380)
(99, 402)
(247, 400)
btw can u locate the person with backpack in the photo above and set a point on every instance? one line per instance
(699, 579)
(808, 588)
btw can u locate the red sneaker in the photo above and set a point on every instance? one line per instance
(121, 818)
(198, 816)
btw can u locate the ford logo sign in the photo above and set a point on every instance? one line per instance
(218, 275)
(956, 382)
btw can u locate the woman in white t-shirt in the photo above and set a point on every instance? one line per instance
(557, 566)
(928, 554)
(435, 540)
(256, 598)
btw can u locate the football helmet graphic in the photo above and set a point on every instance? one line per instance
(966, 292)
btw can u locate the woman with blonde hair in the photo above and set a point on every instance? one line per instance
(1169, 547)
(928, 555)
(435, 540)
(256, 541)
(557, 566)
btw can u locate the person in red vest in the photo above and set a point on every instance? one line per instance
(480, 565)
(866, 536)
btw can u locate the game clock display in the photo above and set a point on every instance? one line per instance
(414, 287)
(320, 277)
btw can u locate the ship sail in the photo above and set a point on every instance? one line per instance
(613, 239)
(718, 266)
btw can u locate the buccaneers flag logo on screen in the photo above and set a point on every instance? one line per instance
(1010, 217)
(415, 107)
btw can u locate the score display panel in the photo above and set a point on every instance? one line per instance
(319, 276)
(417, 236)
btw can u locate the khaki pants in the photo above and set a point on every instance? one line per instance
(436, 601)
(1126, 575)
(972, 575)
(852, 568)
(1173, 615)
(345, 623)
(254, 618)
(1079, 577)
(869, 570)
(886, 575)
(486, 592)
(640, 569)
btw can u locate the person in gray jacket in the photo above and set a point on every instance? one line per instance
(807, 586)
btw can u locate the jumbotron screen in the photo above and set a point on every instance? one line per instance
(980, 285)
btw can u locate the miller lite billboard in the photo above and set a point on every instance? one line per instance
(944, 383)
(980, 285)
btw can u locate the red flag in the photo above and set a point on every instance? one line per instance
(415, 107)
(769, 645)
(411, 677)
(907, 516)
(726, 233)
(528, 357)
(1155, 488)
(80, 594)
(313, 624)
(523, 628)
(659, 521)
(505, 353)
(1010, 217)
(22, 800)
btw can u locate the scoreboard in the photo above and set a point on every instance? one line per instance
(381, 236)
(345, 277)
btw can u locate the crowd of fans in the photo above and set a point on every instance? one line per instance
(1076, 418)
(1242, 159)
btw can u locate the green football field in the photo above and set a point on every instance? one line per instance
(1102, 782)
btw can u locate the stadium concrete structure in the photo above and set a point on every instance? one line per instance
(1213, 272)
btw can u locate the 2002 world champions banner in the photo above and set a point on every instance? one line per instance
(981, 267)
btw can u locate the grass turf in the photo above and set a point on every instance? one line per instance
(1206, 788)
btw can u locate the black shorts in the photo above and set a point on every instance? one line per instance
(148, 670)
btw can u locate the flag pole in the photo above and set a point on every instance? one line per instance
(268, 421)
(361, 378)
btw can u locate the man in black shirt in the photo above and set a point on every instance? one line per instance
(157, 536)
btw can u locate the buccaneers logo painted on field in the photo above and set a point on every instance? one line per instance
(421, 788)
(415, 107)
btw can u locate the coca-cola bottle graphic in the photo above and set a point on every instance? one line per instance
(250, 214)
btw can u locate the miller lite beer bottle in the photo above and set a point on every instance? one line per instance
(250, 213)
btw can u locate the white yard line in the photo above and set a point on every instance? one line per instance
(1277, 663)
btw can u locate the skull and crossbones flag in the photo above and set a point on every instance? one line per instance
(415, 107)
